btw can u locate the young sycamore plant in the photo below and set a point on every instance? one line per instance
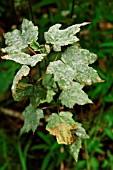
(62, 71)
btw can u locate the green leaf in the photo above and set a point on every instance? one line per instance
(42, 48)
(32, 118)
(80, 132)
(75, 148)
(74, 95)
(106, 44)
(24, 58)
(64, 37)
(49, 96)
(16, 41)
(39, 94)
(35, 45)
(79, 59)
(7, 73)
(61, 126)
(24, 71)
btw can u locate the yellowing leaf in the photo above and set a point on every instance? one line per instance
(61, 126)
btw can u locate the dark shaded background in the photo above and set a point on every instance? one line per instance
(40, 151)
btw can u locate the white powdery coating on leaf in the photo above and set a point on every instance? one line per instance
(79, 59)
(62, 37)
(74, 95)
(24, 58)
(32, 118)
(16, 41)
(24, 71)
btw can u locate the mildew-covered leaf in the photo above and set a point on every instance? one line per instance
(24, 58)
(80, 132)
(64, 37)
(29, 31)
(61, 126)
(74, 95)
(32, 118)
(24, 71)
(79, 59)
(75, 148)
(63, 73)
(17, 40)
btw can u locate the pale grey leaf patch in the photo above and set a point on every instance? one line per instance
(79, 59)
(24, 58)
(32, 118)
(74, 95)
(64, 37)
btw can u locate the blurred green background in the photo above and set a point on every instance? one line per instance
(40, 151)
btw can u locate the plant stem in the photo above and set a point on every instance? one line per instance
(87, 156)
(72, 9)
(31, 11)
(31, 50)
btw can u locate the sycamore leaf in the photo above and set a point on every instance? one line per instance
(49, 96)
(74, 95)
(61, 126)
(64, 37)
(75, 148)
(35, 45)
(22, 90)
(24, 71)
(39, 94)
(80, 132)
(63, 74)
(41, 48)
(29, 31)
(32, 118)
(79, 59)
(24, 58)
(16, 40)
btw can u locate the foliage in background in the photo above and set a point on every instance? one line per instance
(98, 39)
